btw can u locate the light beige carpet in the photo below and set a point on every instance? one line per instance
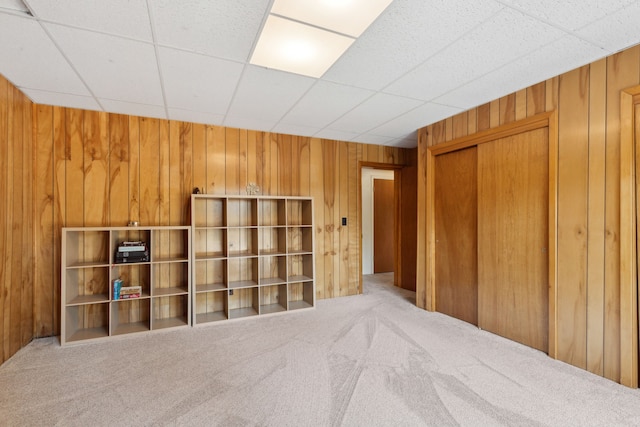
(368, 360)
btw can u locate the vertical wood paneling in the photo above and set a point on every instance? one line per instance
(164, 178)
(7, 235)
(421, 246)
(507, 107)
(74, 167)
(149, 172)
(216, 160)
(329, 198)
(573, 161)
(27, 279)
(4, 196)
(353, 220)
(96, 168)
(596, 215)
(186, 147)
(588, 299)
(15, 135)
(118, 170)
(232, 179)
(134, 169)
(622, 72)
(316, 171)
(343, 231)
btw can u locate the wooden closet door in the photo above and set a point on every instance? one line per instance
(456, 228)
(513, 215)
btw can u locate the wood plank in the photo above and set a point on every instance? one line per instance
(456, 229)
(216, 160)
(573, 192)
(199, 160)
(507, 109)
(304, 160)
(460, 125)
(232, 154)
(134, 169)
(96, 168)
(521, 104)
(252, 158)
(316, 172)
(59, 137)
(260, 163)
(596, 217)
(622, 72)
(149, 171)
(175, 168)
(484, 117)
(536, 99)
(329, 150)
(186, 147)
(74, 174)
(421, 244)
(28, 180)
(4, 198)
(512, 237)
(495, 116)
(342, 189)
(118, 170)
(353, 220)
(164, 176)
(448, 124)
(274, 171)
(472, 122)
(16, 136)
(242, 161)
(12, 265)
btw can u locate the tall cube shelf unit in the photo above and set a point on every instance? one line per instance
(89, 269)
(252, 255)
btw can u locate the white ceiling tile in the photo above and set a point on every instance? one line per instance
(554, 59)
(65, 99)
(335, 134)
(197, 82)
(369, 138)
(324, 103)
(267, 94)
(222, 28)
(121, 17)
(14, 5)
(32, 60)
(505, 37)
(373, 112)
(133, 109)
(563, 13)
(617, 31)
(295, 129)
(112, 67)
(409, 142)
(409, 32)
(195, 117)
(249, 122)
(415, 119)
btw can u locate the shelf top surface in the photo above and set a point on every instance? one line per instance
(249, 197)
(125, 228)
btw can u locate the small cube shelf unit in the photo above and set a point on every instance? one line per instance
(252, 255)
(89, 268)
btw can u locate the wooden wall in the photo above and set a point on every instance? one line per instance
(588, 104)
(16, 220)
(106, 169)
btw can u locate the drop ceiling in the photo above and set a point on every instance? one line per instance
(419, 62)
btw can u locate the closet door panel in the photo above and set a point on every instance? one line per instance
(513, 185)
(456, 228)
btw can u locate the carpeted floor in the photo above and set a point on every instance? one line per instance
(368, 360)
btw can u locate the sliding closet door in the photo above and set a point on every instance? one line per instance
(456, 228)
(513, 214)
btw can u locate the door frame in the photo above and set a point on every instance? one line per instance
(544, 120)
(629, 211)
(397, 176)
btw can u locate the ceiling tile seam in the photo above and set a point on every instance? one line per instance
(156, 50)
(295, 104)
(564, 29)
(443, 49)
(17, 13)
(318, 27)
(66, 58)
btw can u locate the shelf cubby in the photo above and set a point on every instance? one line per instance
(210, 243)
(210, 306)
(210, 275)
(273, 270)
(129, 234)
(133, 275)
(170, 311)
(130, 316)
(273, 299)
(242, 242)
(209, 212)
(300, 268)
(243, 272)
(272, 212)
(169, 246)
(86, 248)
(84, 322)
(243, 302)
(300, 295)
(272, 240)
(87, 285)
(242, 212)
(170, 279)
(299, 212)
(299, 240)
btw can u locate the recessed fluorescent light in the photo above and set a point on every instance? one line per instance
(350, 17)
(291, 46)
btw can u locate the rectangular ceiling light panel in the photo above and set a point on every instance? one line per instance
(291, 46)
(350, 17)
